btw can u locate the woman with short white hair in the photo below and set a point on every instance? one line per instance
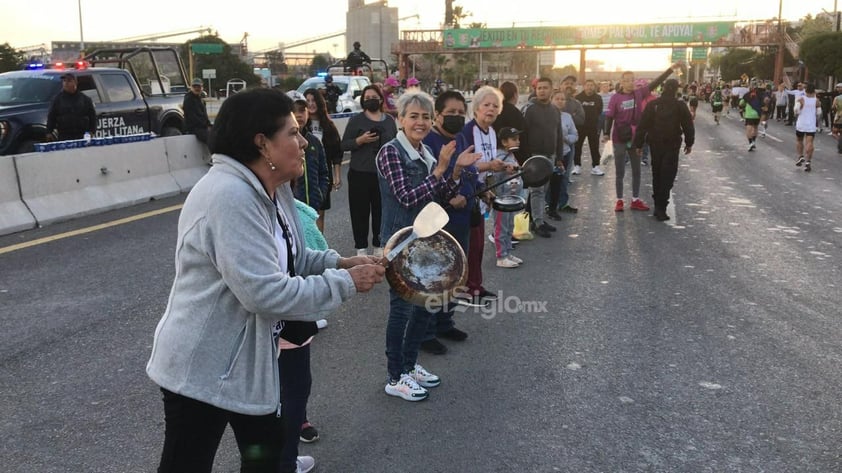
(410, 177)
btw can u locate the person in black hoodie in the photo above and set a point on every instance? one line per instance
(510, 117)
(662, 125)
(72, 113)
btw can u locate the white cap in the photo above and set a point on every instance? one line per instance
(296, 96)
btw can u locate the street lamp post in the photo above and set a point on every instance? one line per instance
(779, 58)
(81, 33)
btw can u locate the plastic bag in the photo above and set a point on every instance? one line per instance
(521, 227)
(607, 152)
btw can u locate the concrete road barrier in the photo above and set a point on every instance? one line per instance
(61, 185)
(341, 123)
(14, 216)
(186, 157)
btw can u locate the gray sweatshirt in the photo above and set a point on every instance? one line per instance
(214, 342)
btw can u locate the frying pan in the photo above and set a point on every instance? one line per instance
(535, 172)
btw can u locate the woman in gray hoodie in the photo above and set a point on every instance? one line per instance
(241, 272)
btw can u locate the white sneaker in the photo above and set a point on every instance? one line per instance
(321, 323)
(424, 378)
(362, 252)
(576, 170)
(407, 389)
(378, 252)
(515, 259)
(597, 171)
(506, 263)
(305, 464)
(751, 146)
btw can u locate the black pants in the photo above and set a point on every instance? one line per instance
(193, 430)
(294, 367)
(780, 112)
(664, 170)
(554, 192)
(364, 202)
(592, 135)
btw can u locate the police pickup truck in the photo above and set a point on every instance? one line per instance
(135, 90)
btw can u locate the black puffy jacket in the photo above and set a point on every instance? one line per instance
(72, 115)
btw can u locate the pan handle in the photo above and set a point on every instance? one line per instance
(496, 184)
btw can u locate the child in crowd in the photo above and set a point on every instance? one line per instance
(312, 187)
(504, 221)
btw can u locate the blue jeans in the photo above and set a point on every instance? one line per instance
(404, 331)
(442, 320)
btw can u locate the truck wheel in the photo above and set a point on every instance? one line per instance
(25, 146)
(170, 131)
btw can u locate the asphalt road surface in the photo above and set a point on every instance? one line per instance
(711, 343)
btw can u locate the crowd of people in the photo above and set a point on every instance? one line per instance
(255, 278)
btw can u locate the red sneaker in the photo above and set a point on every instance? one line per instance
(638, 204)
(618, 207)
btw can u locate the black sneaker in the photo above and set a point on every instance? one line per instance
(453, 334)
(799, 161)
(553, 215)
(433, 347)
(308, 434)
(548, 227)
(569, 209)
(542, 232)
(807, 167)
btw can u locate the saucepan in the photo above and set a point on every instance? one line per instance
(508, 203)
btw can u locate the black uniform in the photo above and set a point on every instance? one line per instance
(357, 58)
(196, 121)
(663, 122)
(72, 115)
(332, 93)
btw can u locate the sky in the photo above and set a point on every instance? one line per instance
(271, 22)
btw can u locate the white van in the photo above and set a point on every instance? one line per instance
(351, 87)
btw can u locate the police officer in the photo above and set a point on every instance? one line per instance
(664, 121)
(196, 121)
(357, 58)
(72, 113)
(332, 93)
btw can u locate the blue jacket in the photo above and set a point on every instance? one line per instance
(312, 187)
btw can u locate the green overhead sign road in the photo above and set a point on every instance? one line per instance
(206, 48)
(661, 33)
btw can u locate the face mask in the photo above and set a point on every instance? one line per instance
(372, 105)
(453, 123)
